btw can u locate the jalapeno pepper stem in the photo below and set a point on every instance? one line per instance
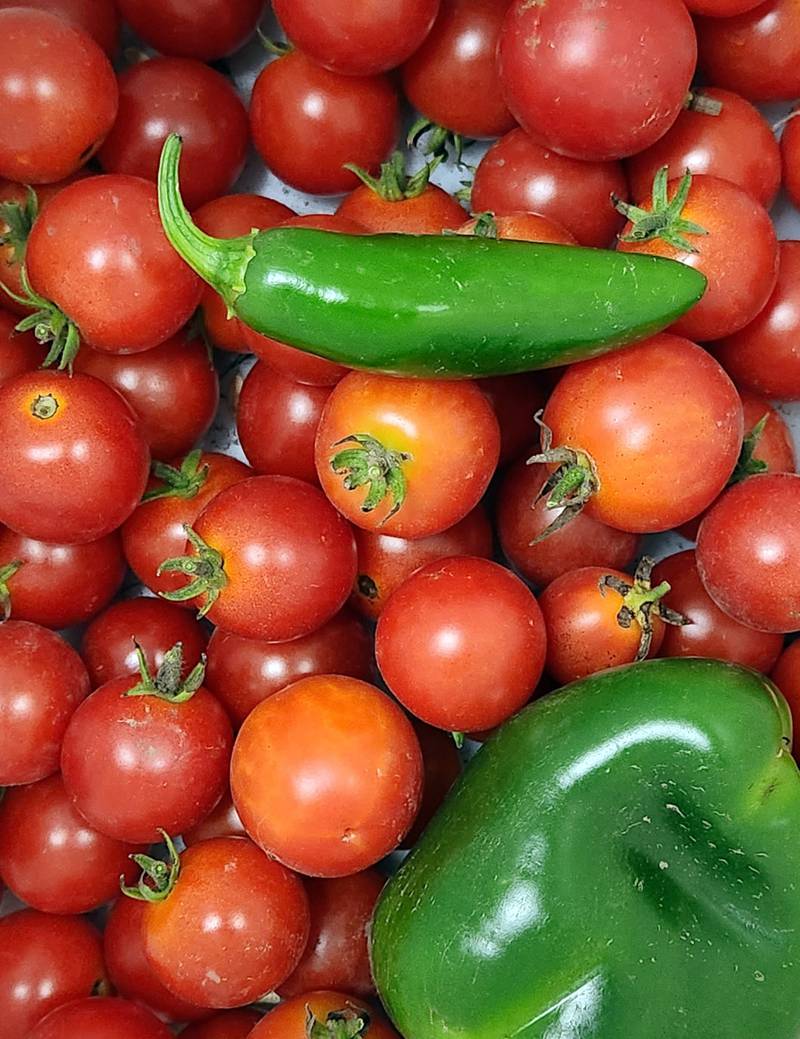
(206, 570)
(158, 878)
(168, 683)
(7, 571)
(347, 1023)
(747, 465)
(185, 481)
(641, 602)
(369, 464)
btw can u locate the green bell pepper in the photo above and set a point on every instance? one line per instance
(621, 861)
(430, 305)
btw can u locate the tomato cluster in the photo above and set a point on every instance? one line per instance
(276, 650)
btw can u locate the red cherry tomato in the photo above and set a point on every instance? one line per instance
(203, 29)
(721, 8)
(100, 1018)
(60, 585)
(519, 174)
(49, 855)
(384, 561)
(19, 351)
(431, 211)
(515, 400)
(222, 821)
(59, 96)
(45, 961)
(289, 1019)
(277, 421)
(42, 681)
(790, 151)
(327, 775)
(452, 78)
(748, 552)
(112, 271)
(337, 955)
(435, 445)
(74, 463)
(306, 122)
(737, 145)
(597, 82)
(442, 767)
(108, 649)
(763, 356)
(524, 227)
(522, 517)
(711, 632)
(756, 53)
(242, 672)
(786, 676)
(97, 18)
(230, 1024)
(232, 928)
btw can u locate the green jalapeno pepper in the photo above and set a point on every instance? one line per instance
(428, 305)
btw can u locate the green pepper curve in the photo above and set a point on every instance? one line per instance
(430, 305)
(621, 861)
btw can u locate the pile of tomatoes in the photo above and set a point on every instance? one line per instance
(274, 653)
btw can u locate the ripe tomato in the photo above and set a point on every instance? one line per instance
(337, 955)
(710, 633)
(49, 855)
(763, 357)
(721, 8)
(306, 122)
(157, 528)
(522, 517)
(19, 351)
(250, 554)
(597, 82)
(108, 644)
(404, 456)
(203, 29)
(748, 552)
(452, 78)
(74, 463)
(786, 676)
(525, 227)
(756, 53)
(242, 672)
(519, 174)
(737, 145)
(397, 202)
(790, 151)
(384, 561)
(442, 767)
(277, 421)
(45, 961)
(289, 1019)
(97, 18)
(100, 1018)
(230, 928)
(651, 466)
(515, 400)
(112, 271)
(222, 821)
(230, 1024)
(327, 775)
(59, 585)
(58, 93)
(42, 681)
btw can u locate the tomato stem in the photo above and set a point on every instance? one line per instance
(339, 1024)
(7, 571)
(158, 878)
(697, 101)
(664, 220)
(183, 482)
(206, 570)
(640, 602)
(49, 324)
(747, 465)
(378, 468)
(571, 484)
(167, 683)
(395, 184)
(18, 218)
(439, 141)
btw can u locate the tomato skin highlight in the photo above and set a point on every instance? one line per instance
(101, 1018)
(288, 1019)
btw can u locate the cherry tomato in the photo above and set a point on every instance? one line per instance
(108, 649)
(790, 151)
(442, 767)
(173, 389)
(756, 53)
(229, 217)
(257, 542)
(737, 145)
(721, 8)
(515, 400)
(230, 1024)
(60, 585)
(135, 762)
(74, 463)
(597, 82)
(233, 926)
(337, 955)
(524, 227)
(327, 775)
(452, 78)
(242, 672)
(45, 961)
(42, 681)
(711, 632)
(519, 174)
(277, 421)
(653, 464)
(288, 1020)
(522, 517)
(786, 676)
(97, 18)
(748, 552)
(128, 968)
(59, 96)
(434, 445)
(222, 821)
(430, 211)
(306, 122)
(156, 530)
(19, 351)
(49, 855)
(100, 1018)
(763, 356)
(98, 251)
(384, 561)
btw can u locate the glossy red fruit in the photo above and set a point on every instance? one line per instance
(790, 151)
(19, 351)
(42, 681)
(100, 1018)
(98, 18)
(524, 227)
(203, 29)
(222, 821)
(721, 8)
(49, 855)
(242, 672)
(60, 585)
(289, 1019)
(786, 676)
(431, 211)
(230, 1024)
(515, 398)
(45, 962)
(520, 174)
(442, 767)
(277, 421)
